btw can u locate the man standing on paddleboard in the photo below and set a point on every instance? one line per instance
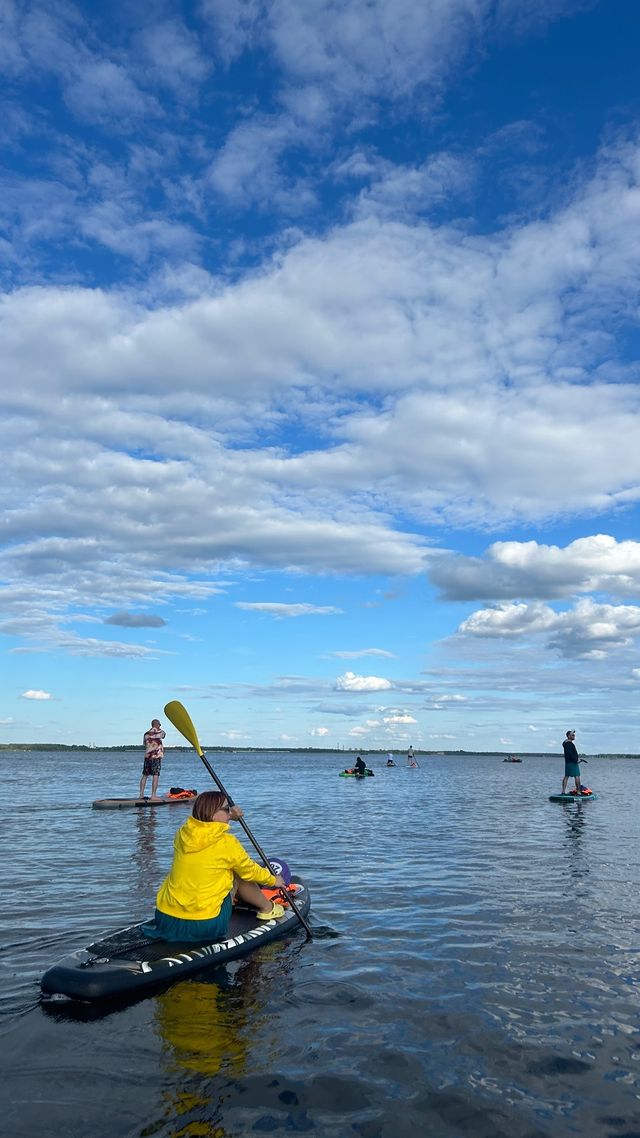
(571, 762)
(153, 755)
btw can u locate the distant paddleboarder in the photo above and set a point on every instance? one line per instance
(571, 762)
(411, 759)
(153, 755)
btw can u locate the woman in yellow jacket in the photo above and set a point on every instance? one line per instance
(210, 867)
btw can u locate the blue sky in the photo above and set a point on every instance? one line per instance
(319, 346)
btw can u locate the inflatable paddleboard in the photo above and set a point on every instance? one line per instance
(571, 797)
(354, 774)
(125, 803)
(126, 963)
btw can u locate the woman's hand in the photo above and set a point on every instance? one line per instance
(235, 814)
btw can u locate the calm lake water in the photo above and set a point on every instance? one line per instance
(474, 973)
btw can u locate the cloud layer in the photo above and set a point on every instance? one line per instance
(278, 319)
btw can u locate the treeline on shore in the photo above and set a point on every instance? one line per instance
(398, 754)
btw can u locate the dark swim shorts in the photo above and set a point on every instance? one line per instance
(151, 766)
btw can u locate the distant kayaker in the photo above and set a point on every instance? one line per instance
(153, 755)
(571, 762)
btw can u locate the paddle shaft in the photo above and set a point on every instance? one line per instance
(287, 896)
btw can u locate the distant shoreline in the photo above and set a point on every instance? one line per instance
(398, 755)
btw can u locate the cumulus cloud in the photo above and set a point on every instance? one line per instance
(352, 682)
(589, 630)
(394, 720)
(513, 569)
(509, 621)
(35, 694)
(274, 608)
(135, 620)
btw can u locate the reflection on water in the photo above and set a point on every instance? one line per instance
(576, 819)
(145, 854)
(208, 1027)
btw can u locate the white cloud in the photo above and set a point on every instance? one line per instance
(395, 720)
(352, 682)
(360, 652)
(589, 630)
(35, 694)
(337, 64)
(402, 192)
(509, 621)
(103, 91)
(319, 731)
(520, 569)
(277, 609)
(172, 56)
(383, 49)
(247, 171)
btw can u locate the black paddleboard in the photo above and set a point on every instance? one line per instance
(127, 962)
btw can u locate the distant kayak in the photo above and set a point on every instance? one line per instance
(127, 962)
(512, 759)
(141, 803)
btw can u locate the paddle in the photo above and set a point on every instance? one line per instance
(181, 719)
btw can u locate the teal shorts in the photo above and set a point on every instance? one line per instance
(571, 770)
(165, 927)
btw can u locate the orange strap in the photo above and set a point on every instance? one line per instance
(274, 894)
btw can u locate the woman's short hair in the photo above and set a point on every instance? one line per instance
(208, 804)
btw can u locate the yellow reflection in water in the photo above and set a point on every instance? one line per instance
(215, 1030)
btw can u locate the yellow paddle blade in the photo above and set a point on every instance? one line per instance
(181, 719)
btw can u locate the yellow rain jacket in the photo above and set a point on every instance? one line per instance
(205, 858)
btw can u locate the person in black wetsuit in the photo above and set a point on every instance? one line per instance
(571, 762)
(360, 767)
